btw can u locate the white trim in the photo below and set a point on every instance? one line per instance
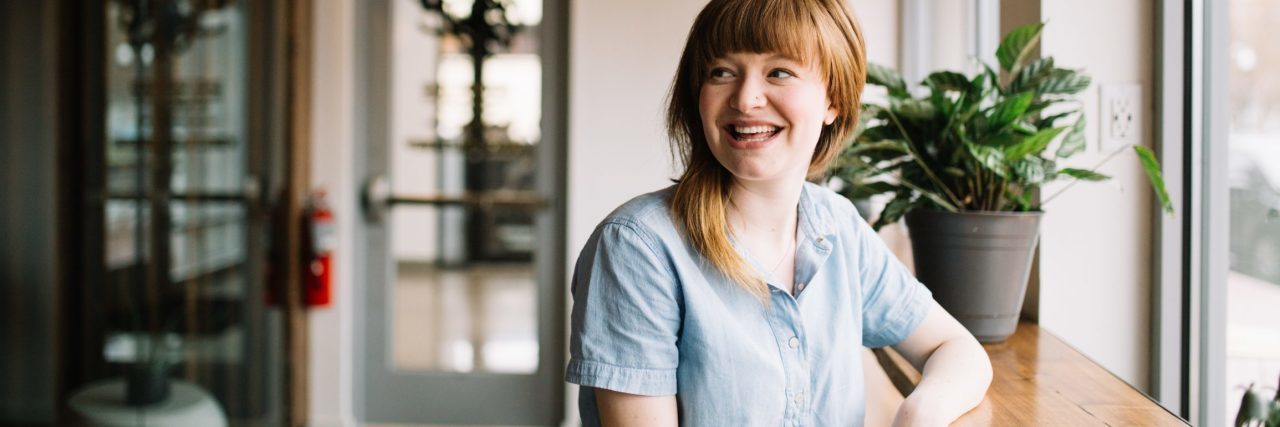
(985, 17)
(1215, 209)
(1168, 337)
(916, 24)
(330, 330)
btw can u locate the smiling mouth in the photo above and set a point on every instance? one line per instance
(752, 134)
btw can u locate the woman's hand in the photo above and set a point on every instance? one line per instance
(624, 410)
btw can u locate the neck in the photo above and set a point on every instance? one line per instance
(765, 209)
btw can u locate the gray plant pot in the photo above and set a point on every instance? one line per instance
(976, 264)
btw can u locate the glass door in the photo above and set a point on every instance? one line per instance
(175, 326)
(462, 310)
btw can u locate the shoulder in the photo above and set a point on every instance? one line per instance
(829, 202)
(645, 215)
(646, 211)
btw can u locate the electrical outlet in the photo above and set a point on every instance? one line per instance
(1121, 112)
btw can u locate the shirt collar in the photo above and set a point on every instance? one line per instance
(814, 222)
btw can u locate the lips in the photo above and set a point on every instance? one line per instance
(750, 135)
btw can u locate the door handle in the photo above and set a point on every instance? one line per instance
(377, 199)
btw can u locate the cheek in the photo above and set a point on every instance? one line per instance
(708, 106)
(808, 113)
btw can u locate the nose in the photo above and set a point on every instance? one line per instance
(748, 95)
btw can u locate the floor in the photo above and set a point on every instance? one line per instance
(477, 319)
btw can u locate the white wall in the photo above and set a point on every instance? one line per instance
(330, 388)
(1095, 258)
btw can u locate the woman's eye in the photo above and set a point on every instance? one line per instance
(719, 73)
(781, 74)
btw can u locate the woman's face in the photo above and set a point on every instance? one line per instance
(762, 115)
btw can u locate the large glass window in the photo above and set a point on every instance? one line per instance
(1253, 284)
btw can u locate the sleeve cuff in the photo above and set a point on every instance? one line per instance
(645, 382)
(904, 321)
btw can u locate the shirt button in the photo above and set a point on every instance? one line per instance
(793, 342)
(799, 398)
(800, 286)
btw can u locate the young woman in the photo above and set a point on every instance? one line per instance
(743, 295)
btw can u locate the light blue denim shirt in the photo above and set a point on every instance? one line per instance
(651, 316)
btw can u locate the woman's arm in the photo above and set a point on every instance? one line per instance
(955, 376)
(624, 410)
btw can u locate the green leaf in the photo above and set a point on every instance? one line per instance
(953, 171)
(1008, 110)
(878, 133)
(867, 189)
(942, 102)
(913, 109)
(993, 78)
(1074, 142)
(889, 78)
(875, 152)
(893, 145)
(990, 158)
(1050, 120)
(1064, 82)
(1083, 174)
(1023, 200)
(894, 210)
(1152, 166)
(1002, 139)
(1034, 170)
(978, 87)
(1252, 407)
(1029, 77)
(1023, 127)
(1017, 46)
(943, 81)
(1034, 144)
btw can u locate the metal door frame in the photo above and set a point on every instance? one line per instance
(384, 395)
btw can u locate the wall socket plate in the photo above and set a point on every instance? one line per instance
(1120, 113)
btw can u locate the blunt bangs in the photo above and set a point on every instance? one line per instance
(786, 28)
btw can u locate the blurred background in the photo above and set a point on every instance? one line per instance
(364, 212)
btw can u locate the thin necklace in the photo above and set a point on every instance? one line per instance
(790, 244)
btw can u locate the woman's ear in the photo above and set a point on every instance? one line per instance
(830, 117)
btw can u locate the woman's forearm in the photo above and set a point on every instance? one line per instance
(955, 380)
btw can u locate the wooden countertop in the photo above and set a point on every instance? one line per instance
(1040, 380)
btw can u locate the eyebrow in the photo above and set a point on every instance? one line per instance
(770, 57)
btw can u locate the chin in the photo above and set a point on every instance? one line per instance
(750, 171)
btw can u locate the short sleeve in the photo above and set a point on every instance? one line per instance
(626, 314)
(894, 302)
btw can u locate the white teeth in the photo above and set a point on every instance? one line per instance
(754, 129)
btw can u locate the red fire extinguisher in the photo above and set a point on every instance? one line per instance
(318, 274)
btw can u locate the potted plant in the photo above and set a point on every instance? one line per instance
(1255, 410)
(963, 158)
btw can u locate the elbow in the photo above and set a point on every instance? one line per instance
(983, 370)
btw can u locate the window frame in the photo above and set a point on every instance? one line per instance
(1188, 338)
